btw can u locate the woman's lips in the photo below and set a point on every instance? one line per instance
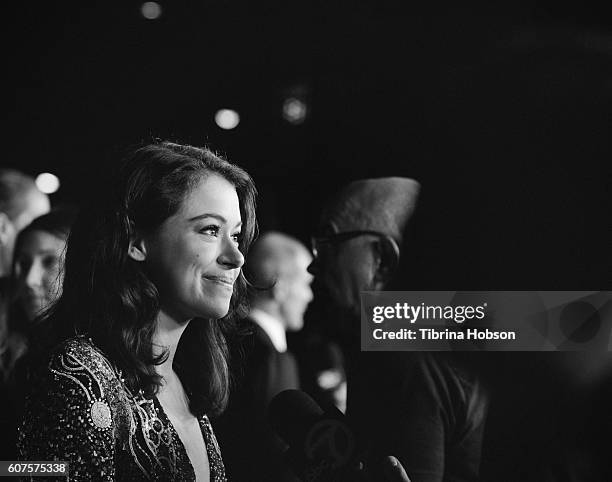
(33, 304)
(222, 280)
(31, 298)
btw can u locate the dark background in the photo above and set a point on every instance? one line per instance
(502, 113)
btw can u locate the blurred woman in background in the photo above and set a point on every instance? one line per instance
(35, 283)
(36, 280)
(39, 260)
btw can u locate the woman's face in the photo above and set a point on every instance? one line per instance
(39, 261)
(193, 257)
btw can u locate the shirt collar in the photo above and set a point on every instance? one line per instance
(272, 327)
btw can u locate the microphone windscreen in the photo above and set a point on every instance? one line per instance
(292, 414)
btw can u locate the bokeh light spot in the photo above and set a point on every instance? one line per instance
(151, 10)
(227, 119)
(47, 182)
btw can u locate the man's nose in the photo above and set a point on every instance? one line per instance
(313, 267)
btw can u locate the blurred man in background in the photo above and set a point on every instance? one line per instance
(276, 266)
(424, 408)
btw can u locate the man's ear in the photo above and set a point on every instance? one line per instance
(137, 249)
(6, 228)
(387, 256)
(279, 289)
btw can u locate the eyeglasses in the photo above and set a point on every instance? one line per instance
(317, 241)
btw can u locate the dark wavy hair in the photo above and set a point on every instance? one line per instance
(57, 222)
(107, 295)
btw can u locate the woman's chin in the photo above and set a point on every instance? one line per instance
(215, 312)
(32, 309)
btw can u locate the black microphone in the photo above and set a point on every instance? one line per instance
(322, 446)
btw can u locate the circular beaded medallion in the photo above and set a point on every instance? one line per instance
(101, 414)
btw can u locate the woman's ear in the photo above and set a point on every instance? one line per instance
(387, 257)
(137, 249)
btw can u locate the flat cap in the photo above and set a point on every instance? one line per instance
(383, 204)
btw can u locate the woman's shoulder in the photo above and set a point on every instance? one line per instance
(76, 410)
(77, 385)
(79, 362)
(82, 352)
(79, 346)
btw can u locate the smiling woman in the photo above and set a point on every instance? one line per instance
(138, 362)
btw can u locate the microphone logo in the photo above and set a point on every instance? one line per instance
(330, 440)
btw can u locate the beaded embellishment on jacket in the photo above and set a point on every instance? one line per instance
(80, 411)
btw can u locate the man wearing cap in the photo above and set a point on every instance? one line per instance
(425, 408)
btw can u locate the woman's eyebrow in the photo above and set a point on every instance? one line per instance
(215, 216)
(38, 252)
(209, 215)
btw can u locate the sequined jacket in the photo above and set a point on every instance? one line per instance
(81, 411)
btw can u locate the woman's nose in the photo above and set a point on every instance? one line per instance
(231, 256)
(34, 275)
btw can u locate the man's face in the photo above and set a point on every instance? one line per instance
(296, 292)
(345, 269)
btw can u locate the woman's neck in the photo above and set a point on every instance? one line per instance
(167, 335)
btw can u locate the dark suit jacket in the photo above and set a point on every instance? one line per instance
(427, 409)
(251, 450)
(268, 372)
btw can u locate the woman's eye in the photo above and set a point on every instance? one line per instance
(211, 230)
(237, 237)
(50, 262)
